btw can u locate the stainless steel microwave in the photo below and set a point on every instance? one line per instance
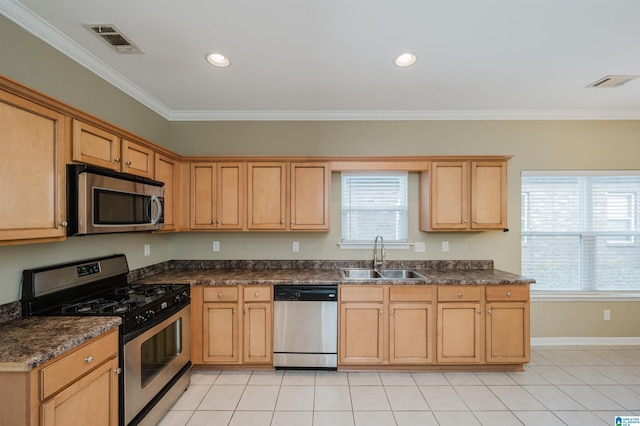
(101, 201)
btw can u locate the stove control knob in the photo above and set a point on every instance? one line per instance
(150, 314)
(140, 319)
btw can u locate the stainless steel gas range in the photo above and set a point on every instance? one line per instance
(155, 347)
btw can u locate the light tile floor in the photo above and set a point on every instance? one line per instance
(568, 385)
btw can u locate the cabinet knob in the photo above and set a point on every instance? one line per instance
(392, 312)
(465, 221)
(117, 159)
(246, 311)
(479, 311)
(128, 163)
(89, 359)
(509, 294)
(293, 222)
(459, 294)
(381, 311)
(489, 311)
(219, 295)
(475, 220)
(118, 371)
(64, 223)
(235, 311)
(257, 294)
(282, 221)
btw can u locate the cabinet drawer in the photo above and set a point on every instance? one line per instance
(220, 294)
(507, 292)
(410, 293)
(77, 363)
(256, 294)
(363, 293)
(456, 293)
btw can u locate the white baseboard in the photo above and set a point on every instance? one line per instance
(575, 341)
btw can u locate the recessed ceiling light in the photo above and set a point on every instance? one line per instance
(405, 60)
(217, 60)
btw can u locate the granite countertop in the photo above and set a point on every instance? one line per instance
(26, 343)
(201, 276)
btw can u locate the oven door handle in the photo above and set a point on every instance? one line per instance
(156, 200)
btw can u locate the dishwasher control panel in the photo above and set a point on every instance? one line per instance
(301, 293)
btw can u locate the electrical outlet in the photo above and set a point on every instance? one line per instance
(295, 246)
(419, 247)
(445, 246)
(607, 314)
(147, 249)
(216, 246)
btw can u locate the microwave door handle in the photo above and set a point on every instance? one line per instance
(156, 200)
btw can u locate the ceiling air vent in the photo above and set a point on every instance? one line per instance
(613, 80)
(114, 38)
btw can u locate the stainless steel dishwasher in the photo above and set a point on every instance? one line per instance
(305, 326)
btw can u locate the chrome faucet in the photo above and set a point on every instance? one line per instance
(378, 263)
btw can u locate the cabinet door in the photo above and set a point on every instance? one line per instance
(459, 328)
(203, 195)
(91, 400)
(220, 340)
(258, 340)
(507, 332)
(449, 195)
(32, 175)
(166, 170)
(489, 195)
(266, 198)
(310, 184)
(137, 159)
(92, 145)
(361, 333)
(410, 333)
(230, 196)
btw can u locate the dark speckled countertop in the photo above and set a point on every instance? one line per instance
(326, 276)
(26, 343)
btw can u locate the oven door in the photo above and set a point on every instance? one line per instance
(153, 358)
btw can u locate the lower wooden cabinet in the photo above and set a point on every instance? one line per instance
(232, 325)
(385, 325)
(77, 388)
(446, 325)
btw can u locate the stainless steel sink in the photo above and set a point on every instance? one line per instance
(381, 274)
(403, 274)
(360, 274)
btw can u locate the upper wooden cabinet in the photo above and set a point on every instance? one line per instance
(32, 177)
(282, 196)
(464, 196)
(95, 146)
(217, 196)
(166, 170)
(310, 189)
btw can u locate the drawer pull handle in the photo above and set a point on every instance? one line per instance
(118, 371)
(89, 359)
(509, 294)
(459, 294)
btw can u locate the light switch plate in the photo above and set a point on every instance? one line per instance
(147, 249)
(216, 246)
(445, 246)
(295, 246)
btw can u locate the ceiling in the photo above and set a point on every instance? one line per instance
(333, 59)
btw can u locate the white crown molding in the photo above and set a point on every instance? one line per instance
(586, 341)
(25, 18)
(378, 115)
(31, 22)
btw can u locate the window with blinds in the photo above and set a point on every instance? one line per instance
(580, 230)
(374, 203)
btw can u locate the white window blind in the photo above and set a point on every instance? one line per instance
(374, 203)
(580, 230)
